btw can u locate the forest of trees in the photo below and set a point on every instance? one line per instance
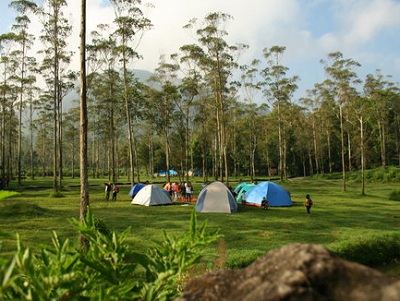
(202, 108)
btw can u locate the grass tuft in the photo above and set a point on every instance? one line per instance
(395, 195)
(371, 251)
(18, 210)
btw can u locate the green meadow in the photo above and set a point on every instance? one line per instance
(361, 228)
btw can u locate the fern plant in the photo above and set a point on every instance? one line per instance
(107, 270)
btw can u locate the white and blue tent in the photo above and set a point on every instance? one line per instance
(276, 195)
(216, 197)
(136, 188)
(151, 195)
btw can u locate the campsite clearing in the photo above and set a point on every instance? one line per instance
(339, 219)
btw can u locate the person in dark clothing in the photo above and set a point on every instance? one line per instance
(115, 190)
(264, 203)
(308, 203)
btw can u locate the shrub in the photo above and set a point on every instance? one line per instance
(107, 270)
(394, 195)
(370, 250)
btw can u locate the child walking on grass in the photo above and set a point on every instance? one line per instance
(308, 203)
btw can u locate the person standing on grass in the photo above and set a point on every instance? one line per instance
(308, 203)
(188, 191)
(107, 191)
(115, 190)
(175, 188)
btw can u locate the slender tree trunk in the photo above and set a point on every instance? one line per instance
(253, 156)
(382, 139)
(316, 153)
(187, 144)
(19, 168)
(112, 129)
(129, 122)
(280, 144)
(329, 151)
(55, 104)
(3, 133)
(342, 148)
(362, 156)
(60, 140)
(55, 124)
(84, 203)
(32, 171)
(310, 162)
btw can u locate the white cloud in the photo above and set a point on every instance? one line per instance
(365, 19)
(257, 23)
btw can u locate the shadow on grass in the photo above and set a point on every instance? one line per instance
(27, 210)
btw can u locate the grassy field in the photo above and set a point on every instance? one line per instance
(338, 218)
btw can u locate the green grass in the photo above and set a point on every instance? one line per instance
(344, 222)
(6, 194)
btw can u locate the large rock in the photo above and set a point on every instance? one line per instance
(295, 272)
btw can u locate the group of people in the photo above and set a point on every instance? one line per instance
(111, 188)
(180, 191)
(184, 191)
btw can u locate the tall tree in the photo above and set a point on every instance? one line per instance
(7, 99)
(163, 102)
(25, 41)
(379, 92)
(217, 61)
(342, 78)
(130, 25)
(103, 85)
(252, 88)
(56, 31)
(279, 90)
(83, 129)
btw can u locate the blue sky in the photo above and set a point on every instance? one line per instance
(366, 31)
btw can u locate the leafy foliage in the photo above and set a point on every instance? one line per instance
(370, 250)
(108, 270)
(395, 195)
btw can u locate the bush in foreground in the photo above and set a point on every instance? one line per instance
(371, 251)
(108, 270)
(394, 195)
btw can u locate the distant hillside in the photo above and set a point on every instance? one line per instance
(71, 100)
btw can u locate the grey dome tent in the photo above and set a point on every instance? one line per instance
(216, 197)
(151, 195)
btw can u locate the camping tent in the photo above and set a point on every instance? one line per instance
(216, 197)
(239, 187)
(136, 188)
(275, 194)
(244, 189)
(171, 173)
(151, 195)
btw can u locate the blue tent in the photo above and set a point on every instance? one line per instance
(216, 197)
(136, 188)
(171, 173)
(275, 194)
(244, 189)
